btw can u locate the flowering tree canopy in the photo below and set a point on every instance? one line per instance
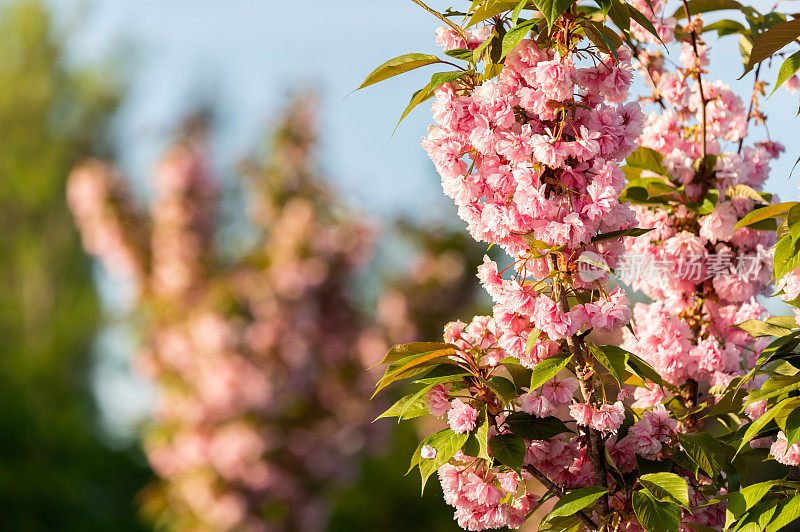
(642, 418)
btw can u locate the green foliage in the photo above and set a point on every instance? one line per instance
(775, 326)
(535, 428)
(667, 487)
(655, 515)
(765, 213)
(548, 368)
(645, 371)
(401, 351)
(613, 235)
(613, 358)
(414, 364)
(647, 159)
(509, 450)
(446, 442)
(398, 65)
(552, 9)
(772, 40)
(790, 65)
(705, 6)
(710, 454)
(575, 501)
(58, 473)
(426, 92)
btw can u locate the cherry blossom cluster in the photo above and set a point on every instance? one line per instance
(532, 160)
(687, 334)
(486, 497)
(535, 155)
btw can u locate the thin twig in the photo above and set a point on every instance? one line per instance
(552, 486)
(753, 99)
(442, 18)
(699, 79)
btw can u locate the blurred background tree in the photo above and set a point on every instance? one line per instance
(56, 471)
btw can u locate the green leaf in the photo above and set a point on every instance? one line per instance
(745, 47)
(515, 35)
(705, 6)
(683, 461)
(791, 427)
(788, 511)
(462, 54)
(517, 11)
(655, 516)
(437, 80)
(786, 257)
(782, 230)
(756, 520)
(535, 428)
(611, 235)
(775, 386)
(776, 348)
(489, 9)
(793, 221)
(643, 21)
(477, 444)
(599, 262)
(503, 388)
(731, 402)
(667, 487)
(413, 365)
(764, 213)
(725, 27)
(644, 370)
(398, 65)
(788, 68)
(509, 450)
(529, 239)
(743, 191)
(447, 443)
(706, 451)
(700, 528)
(548, 368)
(531, 341)
(610, 40)
(771, 41)
(414, 348)
(620, 15)
(758, 328)
(604, 5)
(520, 374)
(567, 523)
(613, 358)
(647, 159)
(739, 502)
(706, 206)
(575, 501)
(552, 9)
(409, 407)
(654, 188)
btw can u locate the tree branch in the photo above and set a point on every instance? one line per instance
(752, 104)
(552, 486)
(699, 78)
(585, 380)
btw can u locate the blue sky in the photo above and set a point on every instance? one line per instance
(246, 55)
